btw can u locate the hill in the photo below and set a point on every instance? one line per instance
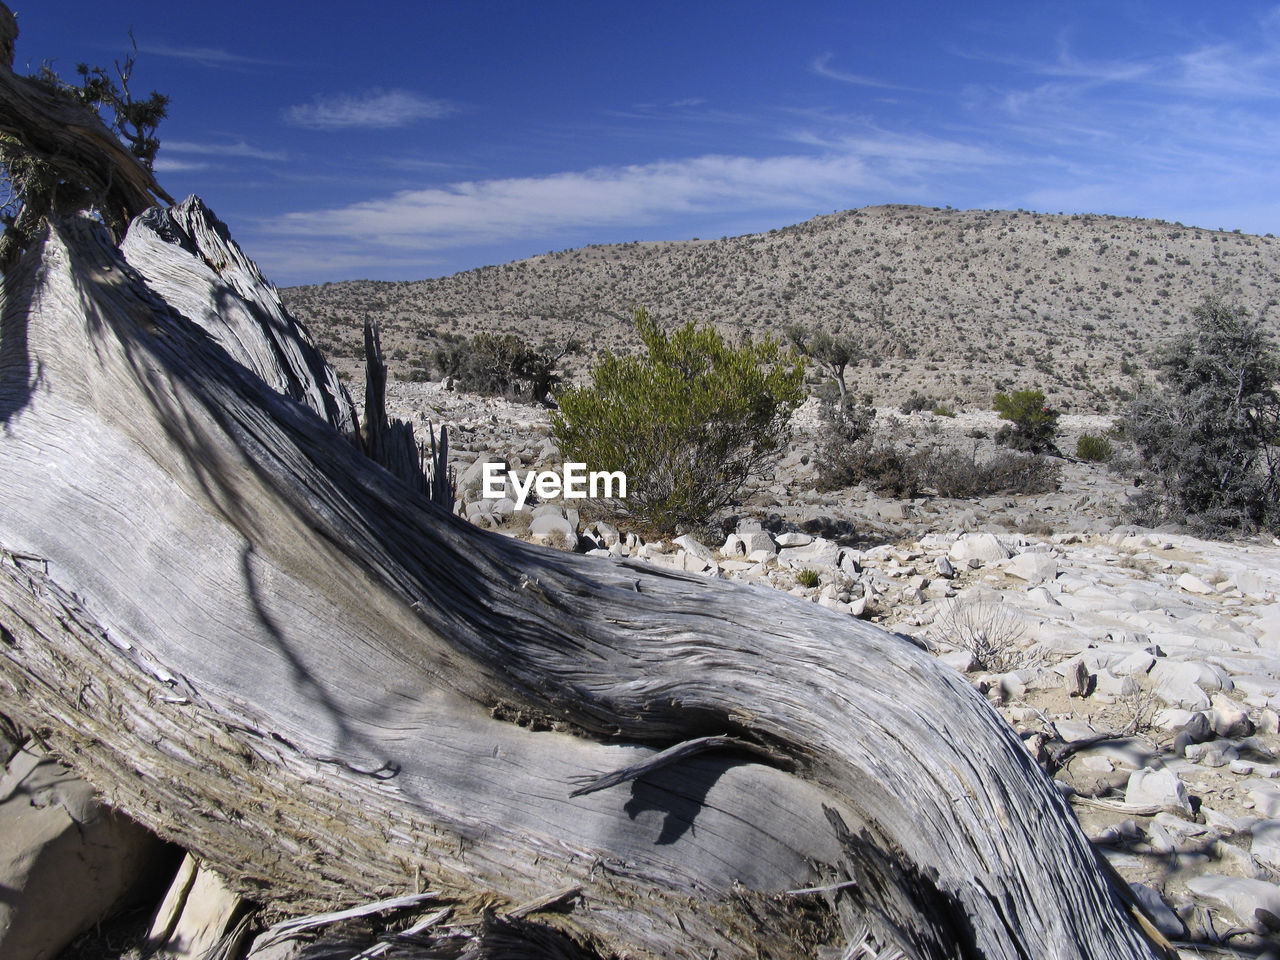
(954, 304)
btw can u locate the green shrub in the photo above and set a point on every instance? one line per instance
(942, 410)
(1207, 440)
(687, 422)
(1094, 449)
(1033, 424)
(808, 578)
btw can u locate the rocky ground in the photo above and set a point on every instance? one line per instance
(1140, 667)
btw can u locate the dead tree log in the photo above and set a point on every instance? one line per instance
(259, 643)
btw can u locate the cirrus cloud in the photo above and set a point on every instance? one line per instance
(376, 109)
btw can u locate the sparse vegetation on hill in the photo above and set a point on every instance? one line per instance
(951, 304)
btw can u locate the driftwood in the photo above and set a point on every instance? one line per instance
(261, 644)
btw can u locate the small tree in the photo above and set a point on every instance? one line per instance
(687, 422)
(1207, 439)
(833, 353)
(1033, 424)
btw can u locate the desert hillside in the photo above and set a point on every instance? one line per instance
(950, 303)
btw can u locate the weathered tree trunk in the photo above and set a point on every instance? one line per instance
(263, 645)
(72, 140)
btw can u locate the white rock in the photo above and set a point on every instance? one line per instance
(1193, 584)
(1110, 685)
(695, 547)
(1229, 718)
(944, 568)
(757, 541)
(1157, 787)
(1032, 567)
(983, 547)
(1137, 664)
(553, 529)
(1187, 683)
(1266, 842)
(65, 860)
(1265, 797)
(792, 539)
(1254, 902)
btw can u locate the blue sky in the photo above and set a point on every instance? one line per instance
(408, 140)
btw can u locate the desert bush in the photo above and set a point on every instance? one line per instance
(990, 631)
(845, 425)
(503, 365)
(1033, 424)
(687, 422)
(952, 472)
(1094, 449)
(1207, 440)
(915, 403)
(942, 410)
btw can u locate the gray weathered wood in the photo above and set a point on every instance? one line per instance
(264, 646)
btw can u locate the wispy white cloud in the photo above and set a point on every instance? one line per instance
(474, 212)
(376, 109)
(168, 165)
(237, 149)
(821, 65)
(207, 56)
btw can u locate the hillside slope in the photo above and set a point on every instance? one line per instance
(951, 303)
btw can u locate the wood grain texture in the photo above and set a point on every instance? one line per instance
(263, 645)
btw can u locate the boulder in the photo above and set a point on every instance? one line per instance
(1255, 903)
(554, 529)
(983, 547)
(1162, 788)
(1193, 584)
(66, 861)
(1033, 567)
(695, 547)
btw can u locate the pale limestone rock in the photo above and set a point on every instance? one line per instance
(698, 549)
(1033, 567)
(757, 541)
(1193, 584)
(1137, 664)
(1157, 787)
(1266, 842)
(65, 860)
(1229, 718)
(792, 539)
(983, 547)
(554, 529)
(1255, 903)
(1113, 686)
